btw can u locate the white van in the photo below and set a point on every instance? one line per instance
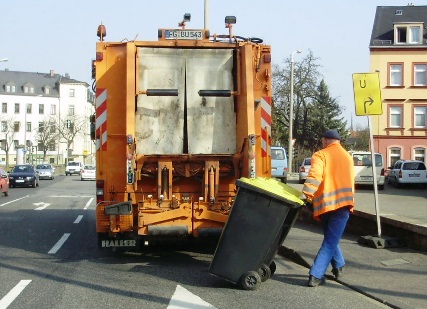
(279, 163)
(363, 172)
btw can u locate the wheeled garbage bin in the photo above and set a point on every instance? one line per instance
(262, 214)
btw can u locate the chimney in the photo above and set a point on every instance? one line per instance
(52, 73)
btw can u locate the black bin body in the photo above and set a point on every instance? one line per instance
(258, 223)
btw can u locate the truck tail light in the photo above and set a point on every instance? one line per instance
(99, 190)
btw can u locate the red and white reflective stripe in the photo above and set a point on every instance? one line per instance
(265, 124)
(101, 119)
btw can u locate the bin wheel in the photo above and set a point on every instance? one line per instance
(250, 280)
(264, 272)
(273, 267)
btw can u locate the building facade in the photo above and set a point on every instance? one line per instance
(34, 102)
(398, 51)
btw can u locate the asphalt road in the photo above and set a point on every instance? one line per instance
(49, 259)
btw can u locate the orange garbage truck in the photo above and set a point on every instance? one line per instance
(178, 120)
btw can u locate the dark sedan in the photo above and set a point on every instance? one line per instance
(24, 175)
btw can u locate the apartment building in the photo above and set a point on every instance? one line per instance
(33, 102)
(398, 51)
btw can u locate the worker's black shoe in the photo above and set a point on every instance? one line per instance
(337, 272)
(313, 281)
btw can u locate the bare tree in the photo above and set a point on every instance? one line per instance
(8, 132)
(47, 135)
(69, 128)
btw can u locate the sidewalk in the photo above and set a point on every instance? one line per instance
(395, 276)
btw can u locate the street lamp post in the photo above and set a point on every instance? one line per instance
(291, 112)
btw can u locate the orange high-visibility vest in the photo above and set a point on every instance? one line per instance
(330, 182)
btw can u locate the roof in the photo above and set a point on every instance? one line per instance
(38, 80)
(385, 18)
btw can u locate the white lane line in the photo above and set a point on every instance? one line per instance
(78, 219)
(41, 205)
(59, 244)
(70, 196)
(10, 297)
(88, 204)
(183, 299)
(4, 204)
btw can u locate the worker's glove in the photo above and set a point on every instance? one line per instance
(307, 201)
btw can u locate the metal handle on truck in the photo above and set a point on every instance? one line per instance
(216, 93)
(160, 92)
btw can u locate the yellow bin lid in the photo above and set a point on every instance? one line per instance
(272, 187)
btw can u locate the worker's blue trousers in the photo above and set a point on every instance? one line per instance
(333, 224)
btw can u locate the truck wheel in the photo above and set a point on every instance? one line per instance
(264, 272)
(250, 280)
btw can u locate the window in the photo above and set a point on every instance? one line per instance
(3, 126)
(71, 110)
(29, 108)
(72, 92)
(41, 109)
(15, 143)
(4, 108)
(16, 126)
(51, 146)
(396, 76)
(394, 155)
(408, 34)
(41, 127)
(395, 116)
(419, 154)
(414, 35)
(53, 109)
(28, 126)
(16, 108)
(420, 116)
(46, 90)
(10, 88)
(420, 75)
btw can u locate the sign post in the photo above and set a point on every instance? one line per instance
(367, 98)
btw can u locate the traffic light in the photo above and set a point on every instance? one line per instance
(68, 124)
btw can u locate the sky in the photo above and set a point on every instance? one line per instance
(45, 35)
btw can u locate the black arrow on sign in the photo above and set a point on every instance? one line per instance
(370, 101)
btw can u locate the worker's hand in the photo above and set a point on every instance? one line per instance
(307, 201)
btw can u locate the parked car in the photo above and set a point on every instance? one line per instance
(73, 167)
(46, 171)
(279, 163)
(24, 175)
(407, 172)
(4, 182)
(88, 172)
(363, 168)
(304, 168)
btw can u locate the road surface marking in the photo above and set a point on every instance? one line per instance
(183, 299)
(59, 244)
(42, 205)
(10, 297)
(4, 204)
(88, 204)
(78, 219)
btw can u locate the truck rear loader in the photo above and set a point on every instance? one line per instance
(177, 122)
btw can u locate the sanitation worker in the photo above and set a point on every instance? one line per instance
(329, 187)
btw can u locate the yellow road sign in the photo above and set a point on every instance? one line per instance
(367, 94)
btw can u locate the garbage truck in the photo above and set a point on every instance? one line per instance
(177, 121)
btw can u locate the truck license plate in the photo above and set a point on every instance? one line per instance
(184, 34)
